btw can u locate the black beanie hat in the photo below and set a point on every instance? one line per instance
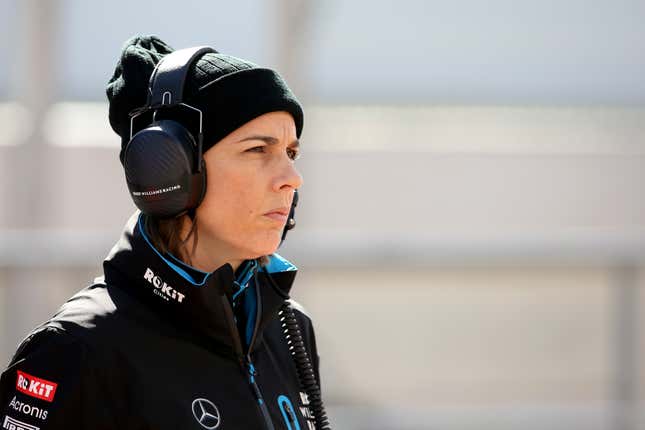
(229, 91)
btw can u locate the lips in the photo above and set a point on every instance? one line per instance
(282, 210)
(278, 214)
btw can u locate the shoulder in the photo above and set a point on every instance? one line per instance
(60, 378)
(82, 339)
(306, 326)
(71, 336)
(305, 322)
(47, 359)
(93, 317)
(301, 312)
(48, 343)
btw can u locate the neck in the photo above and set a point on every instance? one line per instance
(209, 254)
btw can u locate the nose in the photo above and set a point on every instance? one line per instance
(288, 178)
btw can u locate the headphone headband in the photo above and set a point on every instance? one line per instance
(166, 85)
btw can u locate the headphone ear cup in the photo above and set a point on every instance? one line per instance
(159, 170)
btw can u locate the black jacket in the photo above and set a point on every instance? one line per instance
(156, 344)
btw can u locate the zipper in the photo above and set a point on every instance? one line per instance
(258, 312)
(258, 394)
(249, 363)
(245, 362)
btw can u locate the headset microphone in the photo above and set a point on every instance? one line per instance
(291, 221)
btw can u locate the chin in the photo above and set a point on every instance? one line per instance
(269, 249)
(264, 247)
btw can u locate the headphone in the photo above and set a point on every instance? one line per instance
(163, 162)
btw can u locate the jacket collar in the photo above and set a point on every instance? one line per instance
(196, 301)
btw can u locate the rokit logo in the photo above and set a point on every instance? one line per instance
(27, 409)
(36, 387)
(13, 424)
(162, 289)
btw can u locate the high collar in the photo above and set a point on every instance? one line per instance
(193, 300)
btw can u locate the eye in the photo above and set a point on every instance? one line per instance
(256, 149)
(294, 154)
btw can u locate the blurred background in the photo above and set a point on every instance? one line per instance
(471, 232)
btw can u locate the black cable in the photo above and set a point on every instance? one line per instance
(306, 375)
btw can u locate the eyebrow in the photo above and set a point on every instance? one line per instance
(269, 140)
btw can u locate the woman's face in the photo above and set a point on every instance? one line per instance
(251, 178)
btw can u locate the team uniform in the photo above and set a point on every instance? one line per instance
(156, 344)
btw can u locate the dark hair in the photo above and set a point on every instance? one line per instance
(164, 234)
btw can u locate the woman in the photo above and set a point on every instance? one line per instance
(191, 325)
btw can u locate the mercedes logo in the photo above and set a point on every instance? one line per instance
(206, 413)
